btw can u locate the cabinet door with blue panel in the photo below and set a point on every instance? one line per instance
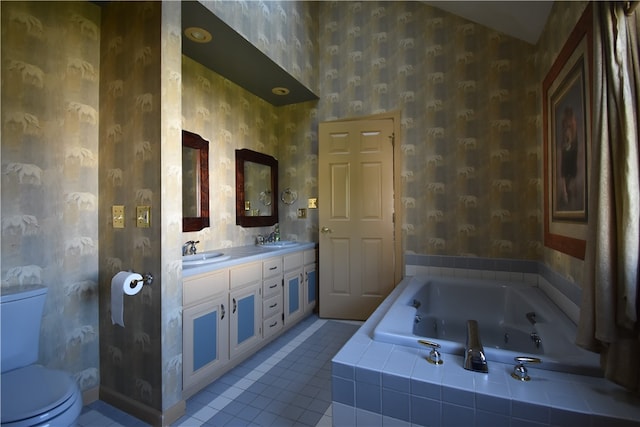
(310, 280)
(310, 287)
(205, 339)
(293, 295)
(246, 318)
(205, 323)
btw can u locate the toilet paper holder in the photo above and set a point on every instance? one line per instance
(147, 279)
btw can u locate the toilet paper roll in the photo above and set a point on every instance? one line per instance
(121, 285)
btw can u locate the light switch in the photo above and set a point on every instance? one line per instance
(313, 203)
(117, 214)
(143, 216)
(302, 213)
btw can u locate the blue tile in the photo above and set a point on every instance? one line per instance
(426, 389)
(529, 411)
(367, 376)
(248, 413)
(368, 397)
(454, 415)
(493, 404)
(261, 402)
(265, 418)
(560, 417)
(343, 370)
(396, 382)
(343, 391)
(491, 419)
(220, 419)
(458, 396)
(293, 412)
(396, 404)
(425, 412)
(309, 418)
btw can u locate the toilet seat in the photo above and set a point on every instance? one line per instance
(35, 395)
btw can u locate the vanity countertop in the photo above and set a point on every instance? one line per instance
(244, 254)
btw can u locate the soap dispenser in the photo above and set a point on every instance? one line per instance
(276, 233)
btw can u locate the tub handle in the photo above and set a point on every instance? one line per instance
(520, 371)
(435, 358)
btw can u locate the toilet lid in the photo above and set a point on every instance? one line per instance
(33, 390)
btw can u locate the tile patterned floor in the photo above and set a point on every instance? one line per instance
(287, 383)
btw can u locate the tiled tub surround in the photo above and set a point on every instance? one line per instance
(376, 383)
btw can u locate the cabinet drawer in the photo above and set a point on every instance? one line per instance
(309, 256)
(292, 261)
(197, 288)
(271, 326)
(271, 306)
(245, 275)
(272, 267)
(272, 286)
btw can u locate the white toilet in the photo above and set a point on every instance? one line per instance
(32, 395)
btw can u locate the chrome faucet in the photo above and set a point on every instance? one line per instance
(189, 248)
(536, 339)
(474, 359)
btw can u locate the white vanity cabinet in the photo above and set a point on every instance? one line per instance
(205, 318)
(293, 287)
(245, 302)
(231, 310)
(310, 281)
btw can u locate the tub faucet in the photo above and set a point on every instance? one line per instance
(474, 359)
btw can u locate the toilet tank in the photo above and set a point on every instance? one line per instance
(20, 318)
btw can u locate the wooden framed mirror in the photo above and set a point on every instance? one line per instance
(256, 189)
(195, 182)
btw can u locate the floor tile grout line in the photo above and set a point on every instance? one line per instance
(221, 401)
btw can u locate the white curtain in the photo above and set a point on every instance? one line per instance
(609, 311)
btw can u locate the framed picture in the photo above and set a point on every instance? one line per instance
(566, 92)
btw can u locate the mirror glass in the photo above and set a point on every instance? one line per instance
(256, 186)
(195, 182)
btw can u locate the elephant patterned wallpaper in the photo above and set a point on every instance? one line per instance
(140, 164)
(50, 87)
(471, 158)
(285, 31)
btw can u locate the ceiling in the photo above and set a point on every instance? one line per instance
(235, 58)
(524, 20)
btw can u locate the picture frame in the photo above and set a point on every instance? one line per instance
(567, 115)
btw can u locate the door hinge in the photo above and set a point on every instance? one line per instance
(392, 138)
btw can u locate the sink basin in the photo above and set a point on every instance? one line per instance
(203, 258)
(281, 244)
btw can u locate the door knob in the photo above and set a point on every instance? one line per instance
(325, 230)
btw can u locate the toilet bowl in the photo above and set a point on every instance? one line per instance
(32, 395)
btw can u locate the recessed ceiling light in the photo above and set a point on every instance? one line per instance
(280, 91)
(198, 35)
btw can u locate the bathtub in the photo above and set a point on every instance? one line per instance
(437, 308)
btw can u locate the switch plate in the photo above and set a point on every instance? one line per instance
(143, 216)
(117, 214)
(302, 213)
(313, 203)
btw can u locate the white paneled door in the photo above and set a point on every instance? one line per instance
(356, 208)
